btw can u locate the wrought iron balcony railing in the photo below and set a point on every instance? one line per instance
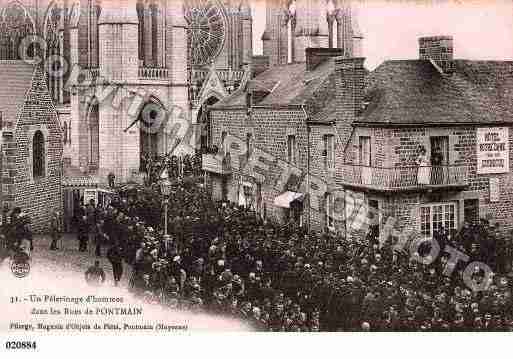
(403, 178)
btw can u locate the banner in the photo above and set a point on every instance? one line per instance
(492, 150)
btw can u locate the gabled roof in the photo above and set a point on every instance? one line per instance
(291, 84)
(15, 81)
(413, 92)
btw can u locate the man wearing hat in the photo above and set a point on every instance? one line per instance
(115, 257)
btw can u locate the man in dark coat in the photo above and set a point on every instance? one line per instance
(116, 260)
(83, 233)
(101, 237)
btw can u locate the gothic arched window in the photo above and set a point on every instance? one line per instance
(38, 155)
(94, 135)
(291, 29)
(15, 25)
(53, 23)
(151, 33)
(140, 15)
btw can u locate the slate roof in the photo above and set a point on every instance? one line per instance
(15, 81)
(327, 114)
(414, 92)
(291, 85)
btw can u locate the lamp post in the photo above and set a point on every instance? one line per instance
(165, 189)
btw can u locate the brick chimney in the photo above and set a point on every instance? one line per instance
(259, 64)
(316, 55)
(439, 49)
(350, 82)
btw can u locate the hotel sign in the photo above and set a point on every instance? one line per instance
(492, 150)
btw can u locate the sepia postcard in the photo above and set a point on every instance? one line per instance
(171, 168)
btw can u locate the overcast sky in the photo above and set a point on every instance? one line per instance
(482, 29)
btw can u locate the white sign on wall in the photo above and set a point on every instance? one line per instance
(492, 150)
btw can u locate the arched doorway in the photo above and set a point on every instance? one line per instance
(204, 121)
(150, 121)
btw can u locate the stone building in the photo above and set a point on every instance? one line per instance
(31, 161)
(361, 138)
(107, 62)
(168, 55)
(281, 126)
(460, 113)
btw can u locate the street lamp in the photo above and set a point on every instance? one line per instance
(165, 189)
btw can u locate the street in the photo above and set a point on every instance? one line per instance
(69, 259)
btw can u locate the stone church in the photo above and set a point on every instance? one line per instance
(178, 56)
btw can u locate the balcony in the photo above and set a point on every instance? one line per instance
(403, 178)
(153, 73)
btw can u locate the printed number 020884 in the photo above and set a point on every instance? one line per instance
(18, 345)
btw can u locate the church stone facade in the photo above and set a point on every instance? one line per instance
(178, 56)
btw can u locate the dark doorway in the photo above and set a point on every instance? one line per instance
(204, 121)
(439, 158)
(471, 210)
(148, 143)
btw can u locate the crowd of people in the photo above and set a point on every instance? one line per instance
(222, 258)
(16, 236)
(177, 166)
(225, 259)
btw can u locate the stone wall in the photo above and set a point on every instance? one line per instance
(39, 197)
(269, 129)
(400, 147)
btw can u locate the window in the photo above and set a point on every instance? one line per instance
(249, 148)
(434, 217)
(329, 152)
(330, 209)
(249, 196)
(373, 216)
(259, 200)
(291, 149)
(439, 150)
(223, 138)
(365, 151)
(471, 210)
(291, 29)
(439, 159)
(94, 136)
(38, 155)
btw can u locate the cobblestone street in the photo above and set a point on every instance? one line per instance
(69, 259)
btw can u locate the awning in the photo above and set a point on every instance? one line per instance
(285, 199)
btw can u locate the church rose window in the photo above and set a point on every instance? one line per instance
(207, 30)
(38, 155)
